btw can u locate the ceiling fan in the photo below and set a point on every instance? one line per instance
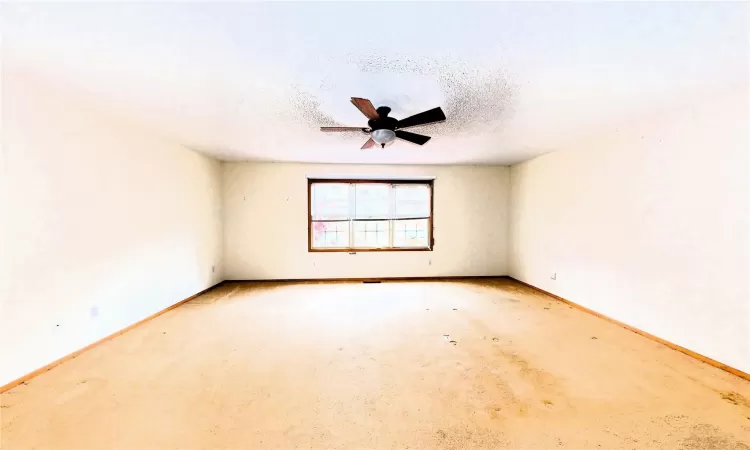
(384, 130)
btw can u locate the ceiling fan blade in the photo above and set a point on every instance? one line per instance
(340, 129)
(366, 107)
(412, 137)
(423, 118)
(369, 144)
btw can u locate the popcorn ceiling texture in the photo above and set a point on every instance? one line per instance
(472, 97)
(305, 107)
(255, 80)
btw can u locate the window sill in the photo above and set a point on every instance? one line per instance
(363, 250)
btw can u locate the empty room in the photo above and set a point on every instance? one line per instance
(391, 225)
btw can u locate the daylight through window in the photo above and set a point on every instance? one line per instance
(370, 215)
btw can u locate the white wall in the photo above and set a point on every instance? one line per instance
(265, 224)
(103, 225)
(648, 224)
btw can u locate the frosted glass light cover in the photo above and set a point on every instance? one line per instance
(383, 136)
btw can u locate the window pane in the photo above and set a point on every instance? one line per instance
(372, 201)
(330, 234)
(330, 201)
(369, 215)
(410, 233)
(412, 200)
(371, 234)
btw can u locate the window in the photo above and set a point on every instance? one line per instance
(369, 215)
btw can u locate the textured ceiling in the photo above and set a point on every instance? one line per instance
(249, 81)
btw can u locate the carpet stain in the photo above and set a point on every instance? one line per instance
(735, 398)
(708, 437)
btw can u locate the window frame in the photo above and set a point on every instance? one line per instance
(430, 220)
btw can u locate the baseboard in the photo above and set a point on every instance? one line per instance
(366, 280)
(671, 345)
(57, 362)
(51, 365)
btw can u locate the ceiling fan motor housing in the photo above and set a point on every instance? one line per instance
(383, 121)
(383, 128)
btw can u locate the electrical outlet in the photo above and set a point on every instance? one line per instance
(553, 276)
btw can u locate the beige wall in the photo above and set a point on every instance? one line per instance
(648, 224)
(265, 224)
(102, 224)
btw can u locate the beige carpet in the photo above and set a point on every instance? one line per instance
(395, 365)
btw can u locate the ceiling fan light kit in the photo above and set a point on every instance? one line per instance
(383, 136)
(384, 129)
